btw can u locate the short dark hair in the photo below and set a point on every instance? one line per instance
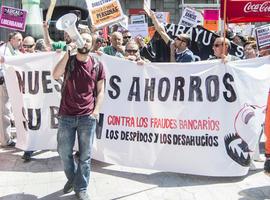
(99, 39)
(186, 38)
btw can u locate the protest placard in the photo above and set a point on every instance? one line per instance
(263, 37)
(13, 18)
(103, 13)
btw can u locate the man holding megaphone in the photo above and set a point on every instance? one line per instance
(82, 95)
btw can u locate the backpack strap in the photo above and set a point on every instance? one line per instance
(96, 67)
(70, 67)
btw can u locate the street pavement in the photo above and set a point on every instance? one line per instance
(43, 179)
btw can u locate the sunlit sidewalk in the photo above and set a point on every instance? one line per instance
(43, 179)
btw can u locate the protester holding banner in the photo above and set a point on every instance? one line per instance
(218, 50)
(10, 48)
(28, 47)
(116, 48)
(82, 94)
(132, 53)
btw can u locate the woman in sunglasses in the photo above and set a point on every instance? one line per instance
(132, 53)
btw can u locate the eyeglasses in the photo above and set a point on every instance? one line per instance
(131, 50)
(28, 45)
(218, 45)
(127, 37)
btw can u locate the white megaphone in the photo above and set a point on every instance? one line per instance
(67, 23)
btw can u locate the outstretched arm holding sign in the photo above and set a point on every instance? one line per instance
(159, 28)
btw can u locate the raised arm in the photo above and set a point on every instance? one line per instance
(47, 38)
(159, 27)
(59, 69)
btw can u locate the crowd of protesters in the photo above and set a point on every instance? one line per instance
(162, 48)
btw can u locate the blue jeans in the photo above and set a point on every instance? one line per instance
(85, 126)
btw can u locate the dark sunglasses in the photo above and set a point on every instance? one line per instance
(28, 46)
(131, 50)
(181, 40)
(218, 45)
(127, 37)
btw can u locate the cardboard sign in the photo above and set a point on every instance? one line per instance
(163, 17)
(13, 18)
(211, 14)
(138, 30)
(263, 37)
(190, 17)
(245, 29)
(103, 13)
(137, 19)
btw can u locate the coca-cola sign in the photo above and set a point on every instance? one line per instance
(246, 11)
(264, 7)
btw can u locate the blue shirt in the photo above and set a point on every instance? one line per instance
(184, 56)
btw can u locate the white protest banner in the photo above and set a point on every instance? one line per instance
(35, 102)
(137, 19)
(138, 30)
(263, 37)
(103, 13)
(190, 17)
(200, 118)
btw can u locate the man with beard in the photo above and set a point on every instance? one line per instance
(82, 95)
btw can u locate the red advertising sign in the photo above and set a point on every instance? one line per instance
(246, 11)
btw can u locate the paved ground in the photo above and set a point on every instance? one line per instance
(43, 179)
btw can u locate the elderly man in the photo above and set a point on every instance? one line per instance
(116, 48)
(132, 53)
(218, 50)
(11, 48)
